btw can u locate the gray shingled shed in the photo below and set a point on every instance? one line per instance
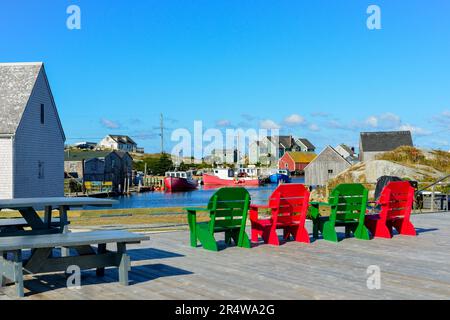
(374, 143)
(31, 134)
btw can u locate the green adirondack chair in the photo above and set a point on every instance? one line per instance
(228, 209)
(348, 204)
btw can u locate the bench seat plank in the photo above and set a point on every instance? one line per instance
(20, 222)
(68, 240)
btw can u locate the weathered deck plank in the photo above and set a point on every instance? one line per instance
(168, 268)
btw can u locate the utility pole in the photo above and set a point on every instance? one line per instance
(162, 133)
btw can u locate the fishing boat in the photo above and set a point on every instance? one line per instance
(179, 181)
(229, 177)
(280, 176)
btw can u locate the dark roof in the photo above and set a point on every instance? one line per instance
(76, 155)
(385, 141)
(283, 141)
(123, 139)
(16, 85)
(307, 143)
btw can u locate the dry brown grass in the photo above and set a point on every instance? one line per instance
(410, 156)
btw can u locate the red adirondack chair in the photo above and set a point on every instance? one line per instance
(396, 203)
(288, 206)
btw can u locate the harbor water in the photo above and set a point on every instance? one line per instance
(198, 197)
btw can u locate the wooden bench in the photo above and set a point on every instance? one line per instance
(42, 260)
(16, 226)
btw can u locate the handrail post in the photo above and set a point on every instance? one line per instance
(432, 198)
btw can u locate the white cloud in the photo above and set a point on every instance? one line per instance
(223, 123)
(110, 124)
(314, 127)
(294, 120)
(269, 124)
(418, 131)
(372, 121)
(384, 121)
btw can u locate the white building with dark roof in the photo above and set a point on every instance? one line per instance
(118, 142)
(372, 144)
(31, 135)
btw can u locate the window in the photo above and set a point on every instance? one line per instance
(40, 170)
(42, 114)
(330, 171)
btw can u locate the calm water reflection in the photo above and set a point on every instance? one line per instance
(193, 198)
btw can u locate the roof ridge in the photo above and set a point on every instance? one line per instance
(20, 63)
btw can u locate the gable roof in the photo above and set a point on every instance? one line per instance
(17, 81)
(283, 141)
(122, 139)
(16, 85)
(323, 151)
(347, 148)
(79, 155)
(385, 141)
(302, 157)
(307, 143)
(72, 155)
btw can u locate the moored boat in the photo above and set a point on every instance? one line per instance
(179, 181)
(280, 176)
(228, 177)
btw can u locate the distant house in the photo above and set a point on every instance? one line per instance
(100, 166)
(373, 143)
(347, 153)
(327, 165)
(270, 149)
(264, 152)
(120, 143)
(31, 134)
(222, 156)
(296, 161)
(305, 145)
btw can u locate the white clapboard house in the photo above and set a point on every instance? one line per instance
(31, 136)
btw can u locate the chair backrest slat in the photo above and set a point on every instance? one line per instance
(396, 199)
(229, 207)
(349, 201)
(291, 201)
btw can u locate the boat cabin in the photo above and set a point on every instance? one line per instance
(224, 173)
(179, 174)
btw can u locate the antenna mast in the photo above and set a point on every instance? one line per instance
(162, 133)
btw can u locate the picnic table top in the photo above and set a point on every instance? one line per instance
(54, 202)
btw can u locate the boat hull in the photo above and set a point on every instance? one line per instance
(278, 177)
(216, 181)
(172, 184)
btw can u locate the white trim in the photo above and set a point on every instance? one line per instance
(20, 63)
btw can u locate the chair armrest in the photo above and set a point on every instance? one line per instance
(318, 203)
(193, 210)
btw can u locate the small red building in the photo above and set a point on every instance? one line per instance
(296, 161)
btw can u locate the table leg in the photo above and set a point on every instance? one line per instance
(65, 252)
(18, 273)
(32, 218)
(100, 272)
(48, 216)
(124, 264)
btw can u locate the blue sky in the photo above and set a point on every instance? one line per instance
(312, 68)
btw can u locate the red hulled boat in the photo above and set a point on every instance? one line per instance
(179, 181)
(227, 177)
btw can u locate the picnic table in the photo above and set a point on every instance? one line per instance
(46, 234)
(28, 207)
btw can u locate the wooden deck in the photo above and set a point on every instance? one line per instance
(167, 268)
